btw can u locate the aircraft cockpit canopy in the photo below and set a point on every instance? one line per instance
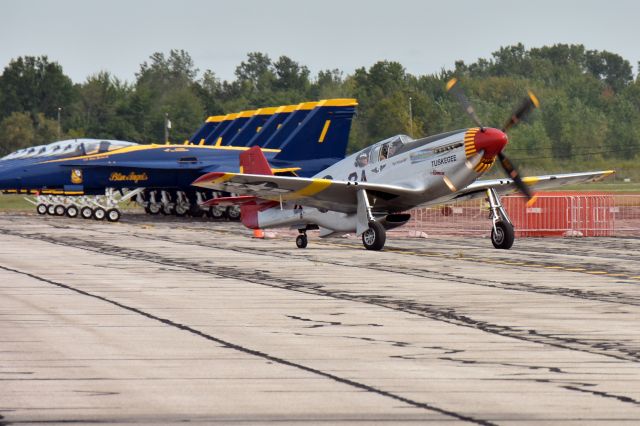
(67, 148)
(382, 150)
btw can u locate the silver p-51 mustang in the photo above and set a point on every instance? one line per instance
(367, 192)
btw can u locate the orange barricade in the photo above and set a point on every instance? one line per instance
(568, 213)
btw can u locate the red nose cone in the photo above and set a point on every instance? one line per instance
(491, 141)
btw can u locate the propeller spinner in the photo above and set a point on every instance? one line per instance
(527, 105)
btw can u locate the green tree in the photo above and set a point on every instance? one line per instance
(166, 85)
(16, 132)
(34, 85)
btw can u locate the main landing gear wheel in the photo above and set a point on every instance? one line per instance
(153, 209)
(180, 211)
(502, 235)
(374, 237)
(196, 211)
(99, 213)
(301, 241)
(60, 210)
(72, 211)
(41, 209)
(216, 212)
(86, 212)
(51, 210)
(233, 213)
(113, 215)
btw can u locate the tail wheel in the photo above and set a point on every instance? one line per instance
(51, 210)
(41, 208)
(72, 211)
(86, 212)
(502, 235)
(374, 237)
(301, 241)
(233, 213)
(99, 213)
(113, 215)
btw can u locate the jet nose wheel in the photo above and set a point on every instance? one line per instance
(41, 209)
(99, 213)
(301, 241)
(374, 237)
(86, 212)
(113, 215)
(502, 235)
(59, 210)
(72, 211)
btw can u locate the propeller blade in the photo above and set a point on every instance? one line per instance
(527, 105)
(455, 89)
(513, 173)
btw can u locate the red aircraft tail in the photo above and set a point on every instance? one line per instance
(253, 161)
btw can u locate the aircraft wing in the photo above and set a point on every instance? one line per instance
(537, 183)
(328, 194)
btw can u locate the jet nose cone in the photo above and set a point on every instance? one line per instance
(491, 141)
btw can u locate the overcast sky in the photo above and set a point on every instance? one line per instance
(86, 36)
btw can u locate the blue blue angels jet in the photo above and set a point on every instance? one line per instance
(298, 140)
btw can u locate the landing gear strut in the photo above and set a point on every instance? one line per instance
(373, 233)
(502, 234)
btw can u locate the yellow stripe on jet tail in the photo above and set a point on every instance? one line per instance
(313, 188)
(324, 131)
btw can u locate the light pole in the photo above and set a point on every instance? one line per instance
(167, 126)
(59, 124)
(410, 119)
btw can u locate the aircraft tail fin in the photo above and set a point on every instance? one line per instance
(254, 162)
(324, 133)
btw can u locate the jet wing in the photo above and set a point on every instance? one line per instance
(327, 194)
(537, 183)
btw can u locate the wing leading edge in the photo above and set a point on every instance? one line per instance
(340, 196)
(507, 186)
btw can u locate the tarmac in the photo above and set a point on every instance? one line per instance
(164, 321)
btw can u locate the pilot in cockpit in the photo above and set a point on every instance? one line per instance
(362, 160)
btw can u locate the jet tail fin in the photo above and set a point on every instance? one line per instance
(324, 133)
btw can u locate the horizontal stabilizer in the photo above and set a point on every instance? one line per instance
(241, 200)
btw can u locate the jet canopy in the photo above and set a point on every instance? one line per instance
(67, 148)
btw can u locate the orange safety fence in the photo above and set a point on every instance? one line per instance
(569, 213)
